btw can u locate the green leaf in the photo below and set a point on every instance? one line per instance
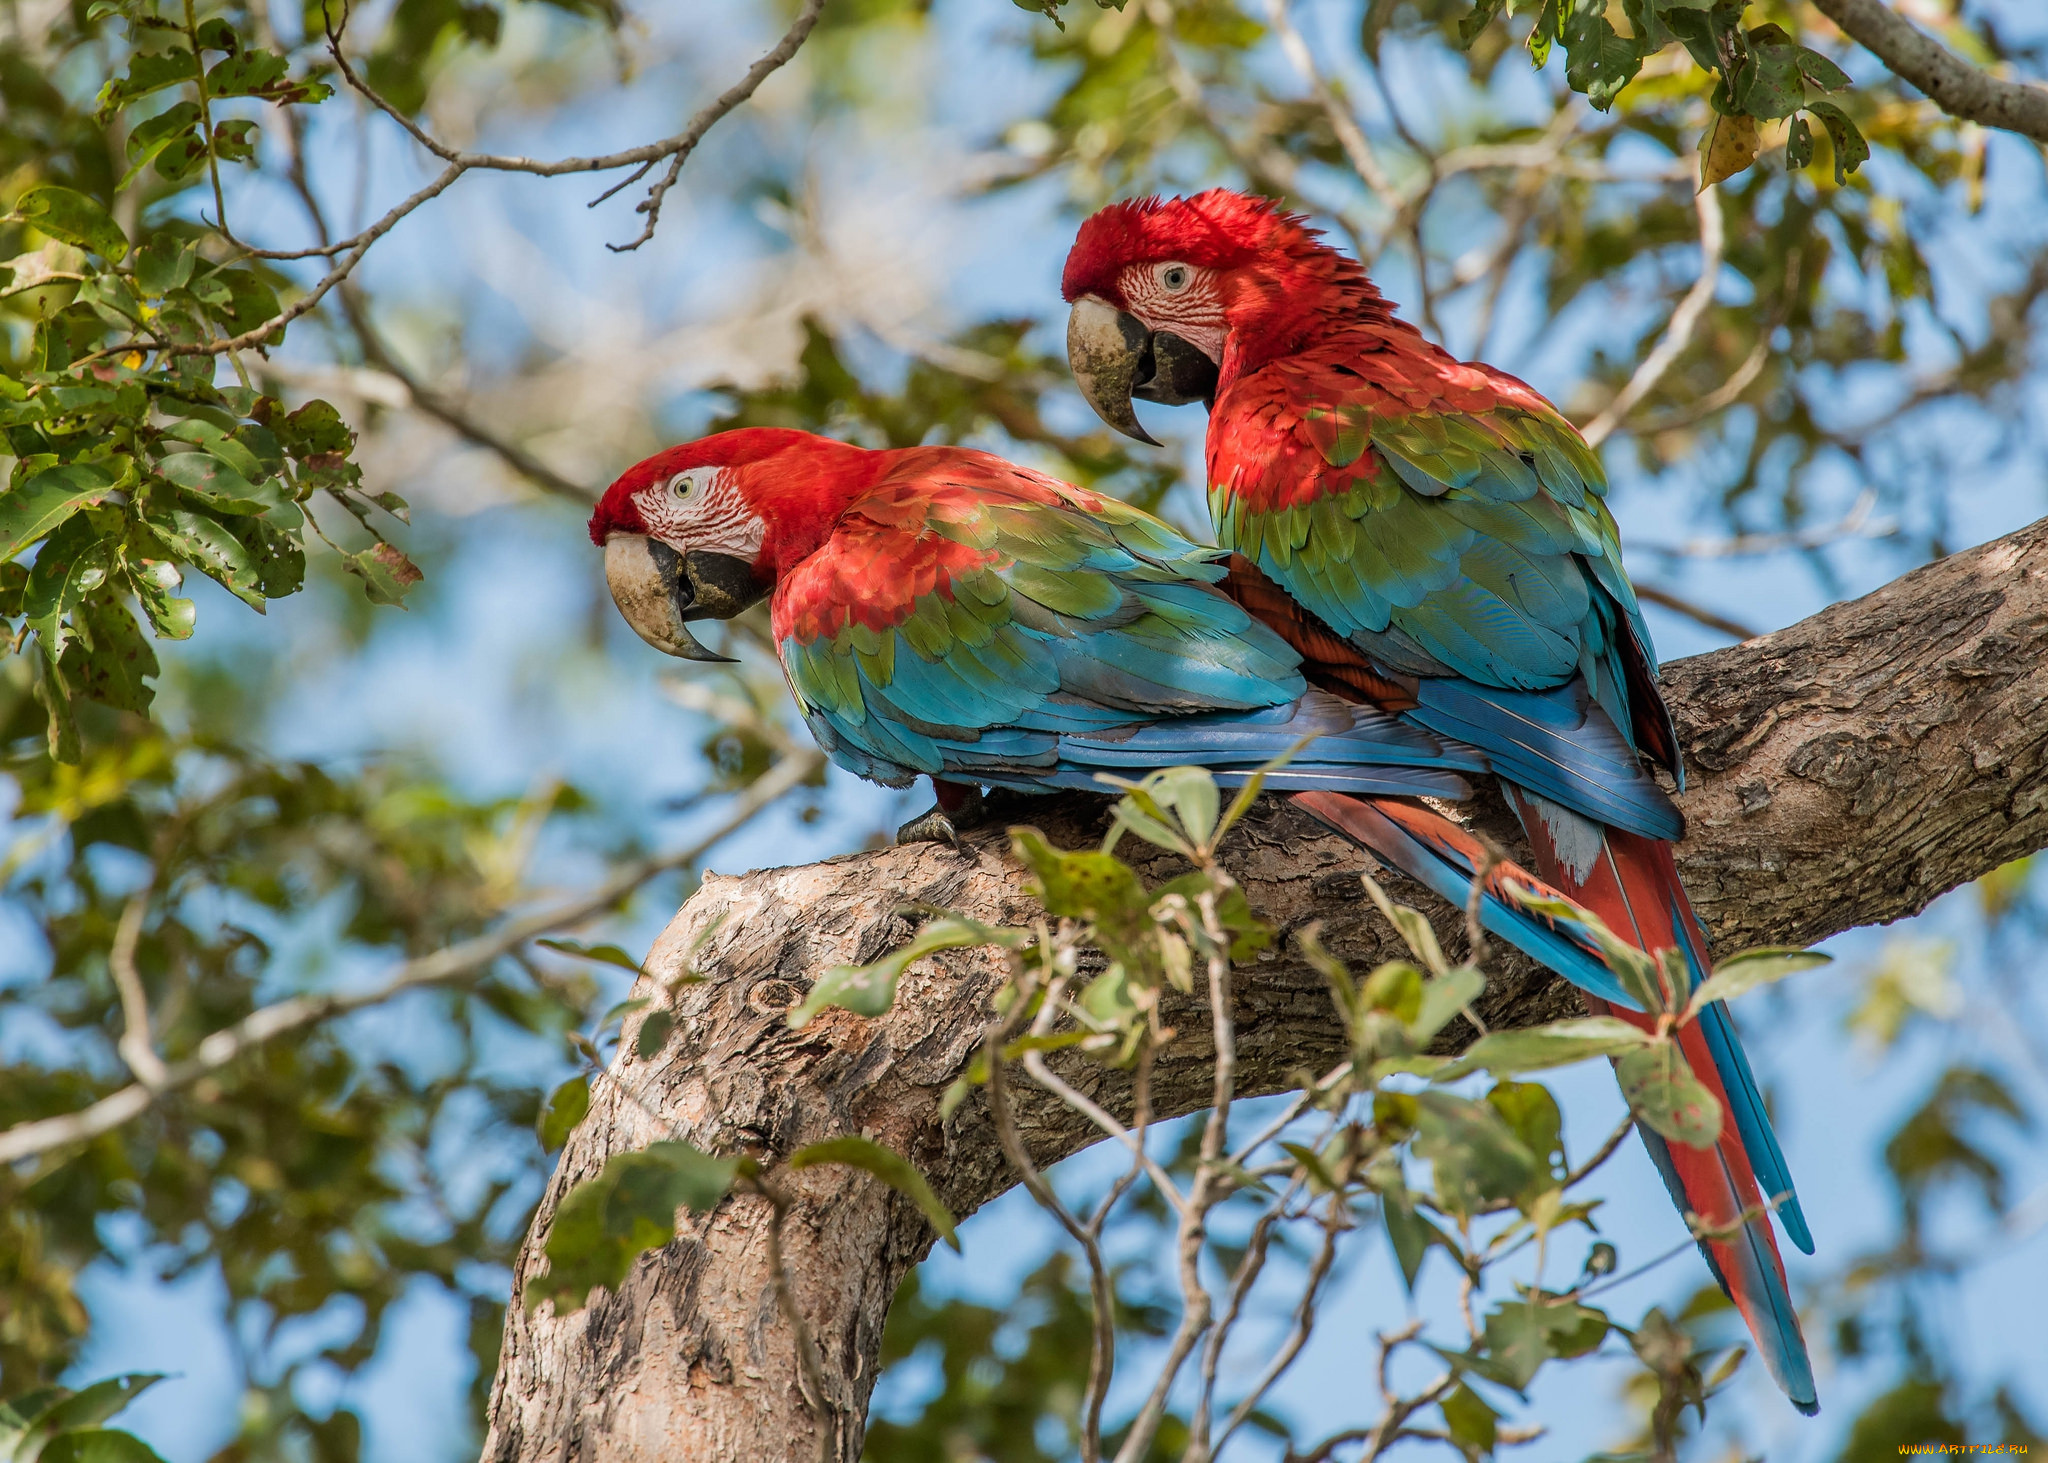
(109, 660)
(1631, 966)
(1532, 1116)
(1483, 13)
(891, 1167)
(82, 1410)
(1321, 1179)
(1749, 969)
(72, 563)
(147, 73)
(1413, 927)
(1472, 1424)
(870, 990)
(567, 1106)
(153, 581)
(1798, 145)
(1476, 1157)
(315, 430)
(385, 571)
(1538, 1048)
(1851, 151)
(1444, 998)
(263, 74)
(205, 542)
(1191, 793)
(176, 127)
(1410, 1234)
(653, 1035)
(602, 954)
(1523, 1334)
(1821, 71)
(98, 1445)
(1662, 1090)
(164, 264)
(1599, 60)
(218, 485)
(609, 1221)
(32, 510)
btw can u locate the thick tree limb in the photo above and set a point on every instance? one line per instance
(1950, 82)
(1846, 770)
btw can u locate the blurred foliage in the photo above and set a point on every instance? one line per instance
(1871, 336)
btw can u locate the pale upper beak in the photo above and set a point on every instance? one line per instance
(1116, 357)
(658, 590)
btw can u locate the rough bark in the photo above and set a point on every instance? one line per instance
(1846, 770)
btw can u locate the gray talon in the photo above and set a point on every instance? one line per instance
(930, 826)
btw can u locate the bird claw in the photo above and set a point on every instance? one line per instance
(930, 826)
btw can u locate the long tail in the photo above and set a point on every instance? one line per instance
(1632, 884)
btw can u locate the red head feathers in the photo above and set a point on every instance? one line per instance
(620, 509)
(1219, 229)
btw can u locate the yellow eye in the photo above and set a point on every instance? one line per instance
(682, 485)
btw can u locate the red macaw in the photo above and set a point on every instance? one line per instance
(1431, 535)
(942, 611)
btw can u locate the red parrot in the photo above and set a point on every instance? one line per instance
(1431, 535)
(941, 611)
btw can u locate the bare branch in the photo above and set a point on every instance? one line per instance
(1678, 334)
(444, 967)
(1679, 605)
(450, 413)
(137, 1046)
(1857, 523)
(1950, 82)
(1364, 161)
(676, 150)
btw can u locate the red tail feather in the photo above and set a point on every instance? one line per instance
(1633, 886)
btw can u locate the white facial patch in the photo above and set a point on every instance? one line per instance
(1180, 299)
(702, 508)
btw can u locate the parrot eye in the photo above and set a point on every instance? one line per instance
(684, 485)
(1173, 278)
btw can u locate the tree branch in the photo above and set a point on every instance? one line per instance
(460, 962)
(1950, 82)
(1684, 320)
(1844, 771)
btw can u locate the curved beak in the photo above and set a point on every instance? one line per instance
(1115, 358)
(658, 590)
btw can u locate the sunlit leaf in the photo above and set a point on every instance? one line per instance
(891, 1167)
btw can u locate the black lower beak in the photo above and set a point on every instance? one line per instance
(1116, 358)
(711, 586)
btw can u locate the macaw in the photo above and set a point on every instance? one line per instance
(1431, 535)
(941, 611)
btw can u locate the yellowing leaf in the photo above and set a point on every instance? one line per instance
(1732, 144)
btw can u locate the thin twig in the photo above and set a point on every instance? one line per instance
(1857, 523)
(458, 962)
(1102, 1293)
(1677, 604)
(1335, 1221)
(137, 1046)
(1208, 1189)
(1678, 333)
(1350, 136)
(449, 413)
(675, 149)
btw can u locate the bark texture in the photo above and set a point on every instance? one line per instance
(1951, 83)
(1845, 771)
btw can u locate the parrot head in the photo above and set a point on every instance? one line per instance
(700, 531)
(1163, 289)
